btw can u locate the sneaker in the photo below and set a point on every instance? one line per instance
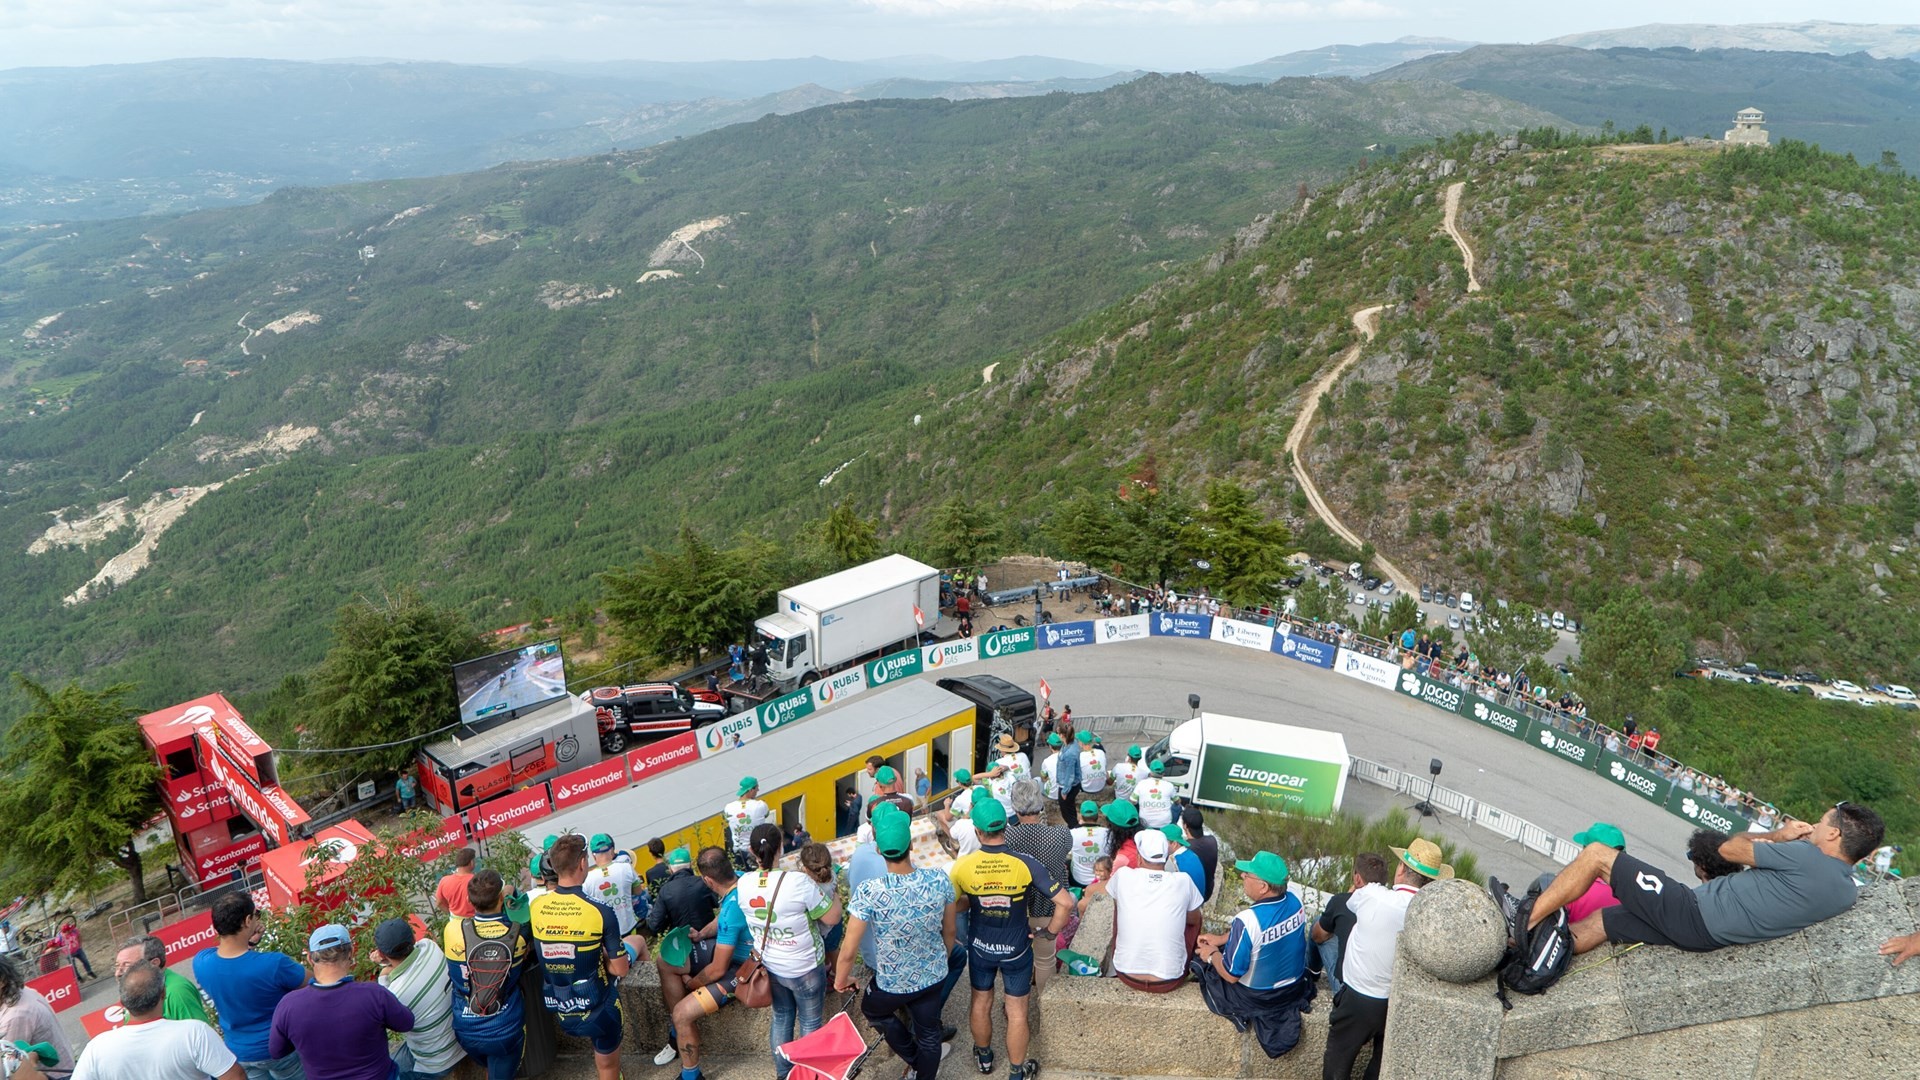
(1024, 1071)
(911, 1074)
(983, 1057)
(947, 1033)
(668, 1055)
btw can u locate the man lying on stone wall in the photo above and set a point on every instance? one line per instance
(1798, 875)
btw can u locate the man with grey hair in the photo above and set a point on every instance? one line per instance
(1050, 844)
(151, 1047)
(183, 998)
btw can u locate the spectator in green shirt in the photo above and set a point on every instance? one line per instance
(183, 1000)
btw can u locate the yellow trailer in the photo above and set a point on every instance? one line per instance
(805, 771)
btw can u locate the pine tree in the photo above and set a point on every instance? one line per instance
(388, 678)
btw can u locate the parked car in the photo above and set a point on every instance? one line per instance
(1831, 695)
(1772, 674)
(1386, 588)
(1559, 620)
(1793, 688)
(1748, 669)
(1294, 582)
(1466, 601)
(1807, 677)
(1713, 662)
(1901, 692)
(1910, 706)
(1420, 616)
(1453, 621)
(1358, 599)
(1867, 701)
(1453, 601)
(1370, 583)
(1426, 594)
(1846, 687)
(1545, 620)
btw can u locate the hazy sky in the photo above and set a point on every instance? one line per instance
(1166, 34)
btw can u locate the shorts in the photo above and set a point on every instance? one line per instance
(1654, 909)
(1016, 972)
(714, 996)
(600, 1027)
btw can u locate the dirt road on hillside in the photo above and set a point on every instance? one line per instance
(1449, 223)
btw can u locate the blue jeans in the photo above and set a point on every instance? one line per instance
(404, 1070)
(499, 1057)
(286, 1068)
(804, 999)
(1329, 960)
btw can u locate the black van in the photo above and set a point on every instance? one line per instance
(1000, 707)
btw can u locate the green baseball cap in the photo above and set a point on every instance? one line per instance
(675, 946)
(600, 844)
(885, 775)
(1601, 833)
(1084, 737)
(1055, 740)
(1156, 767)
(1134, 752)
(892, 831)
(547, 844)
(961, 777)
(1121, 813)
(1266, 866)
(533, 865)
(1089, 809)
(748, 783)
(988, 815)
(679, 857)
(519, 908)
(1174, 835)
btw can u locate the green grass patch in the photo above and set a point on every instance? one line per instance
(1320, 854)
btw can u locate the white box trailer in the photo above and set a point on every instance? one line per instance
(1232, 761)
(820, 626)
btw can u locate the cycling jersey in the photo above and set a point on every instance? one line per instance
(575, 936)
(997, 883)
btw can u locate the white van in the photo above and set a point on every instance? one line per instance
(1559, 620)
(1466, 603)
(1232, 761)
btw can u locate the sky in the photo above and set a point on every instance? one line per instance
(1159, 34)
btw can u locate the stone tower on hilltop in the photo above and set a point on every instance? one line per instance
(1749, 128)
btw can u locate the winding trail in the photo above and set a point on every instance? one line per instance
(1449, 223)
(1367, 321)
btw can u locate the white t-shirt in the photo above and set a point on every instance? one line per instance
(1089, 843)
(1050, 776)
(793, 940)
(965, 837)
(962, 804)
(159, 1050)
(1093, 771)
(612, 885)
(1378, 915)
(741, 816)
(1124, 776)
(1014, 767)
(1154, 797)
(1150, 921)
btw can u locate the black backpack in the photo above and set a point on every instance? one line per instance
(1535, 958)
(489, 970)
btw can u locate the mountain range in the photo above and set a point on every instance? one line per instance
(1883, 40)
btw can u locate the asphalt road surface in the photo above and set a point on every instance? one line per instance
(1156, 675)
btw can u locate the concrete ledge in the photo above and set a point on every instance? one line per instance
(1100, 1026)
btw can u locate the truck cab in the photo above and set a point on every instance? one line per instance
(1000, 707)
(788, 648)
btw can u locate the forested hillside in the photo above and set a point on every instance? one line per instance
(496, 385)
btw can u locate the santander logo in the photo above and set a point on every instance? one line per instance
(591, 784)
(195, 716)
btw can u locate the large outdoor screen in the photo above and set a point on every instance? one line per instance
(507, 684)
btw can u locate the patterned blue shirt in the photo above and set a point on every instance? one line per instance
(905, 914)
(1267, 944)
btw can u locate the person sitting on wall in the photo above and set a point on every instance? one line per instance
(1800, 874)
(1255, 973)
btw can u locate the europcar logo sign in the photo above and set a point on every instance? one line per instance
(1007, 642)
(1168, 624)
(893, 668)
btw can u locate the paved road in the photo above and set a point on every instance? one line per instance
(1155, 676)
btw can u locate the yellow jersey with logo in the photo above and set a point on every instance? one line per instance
(574, 936)
(996, 883)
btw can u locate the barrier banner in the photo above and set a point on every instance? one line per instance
(1007, 642)
(1067, 634)
(228, 859)
(1123, 628)
(510, 811)
(590, 782)
(893, 667)
(1571, 747)
(841, 686)
(1639, 779)
(1169, 624)
(657, 757)
(1496, 716)
(427, 845)
(736, 730)
(1304, 649)
(62, 990)
(101, 1021)
(188, 936)
(1438, 694)
(946, 654)
(785, 709)
(1244, 634)
(1368, 669)
(1706, 813)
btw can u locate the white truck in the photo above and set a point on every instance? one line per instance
(820, 626)
(1231, 761)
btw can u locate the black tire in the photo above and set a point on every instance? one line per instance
(809, 678)
(613, 742)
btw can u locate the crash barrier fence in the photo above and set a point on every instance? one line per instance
(142, 918)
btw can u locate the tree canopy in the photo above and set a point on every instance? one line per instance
(387, 678)
(1626, 648)
(80, 787)
(673, 605)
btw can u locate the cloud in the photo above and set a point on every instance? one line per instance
(1212, 11)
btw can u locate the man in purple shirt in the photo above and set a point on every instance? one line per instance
(339, 1026)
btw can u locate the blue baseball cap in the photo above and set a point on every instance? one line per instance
(329, 936)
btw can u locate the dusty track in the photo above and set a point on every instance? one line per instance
(1449, 223)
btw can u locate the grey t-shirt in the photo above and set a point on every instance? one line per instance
(1790, 887)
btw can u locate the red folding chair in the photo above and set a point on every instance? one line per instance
(835, 1052)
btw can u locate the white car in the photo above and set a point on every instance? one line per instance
(1897, 691)
(1386, 588)
(1559, 620)
(1466, 602)
(1359, 599)
(1453, 621)
(1831, 695)
(1846, 687)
